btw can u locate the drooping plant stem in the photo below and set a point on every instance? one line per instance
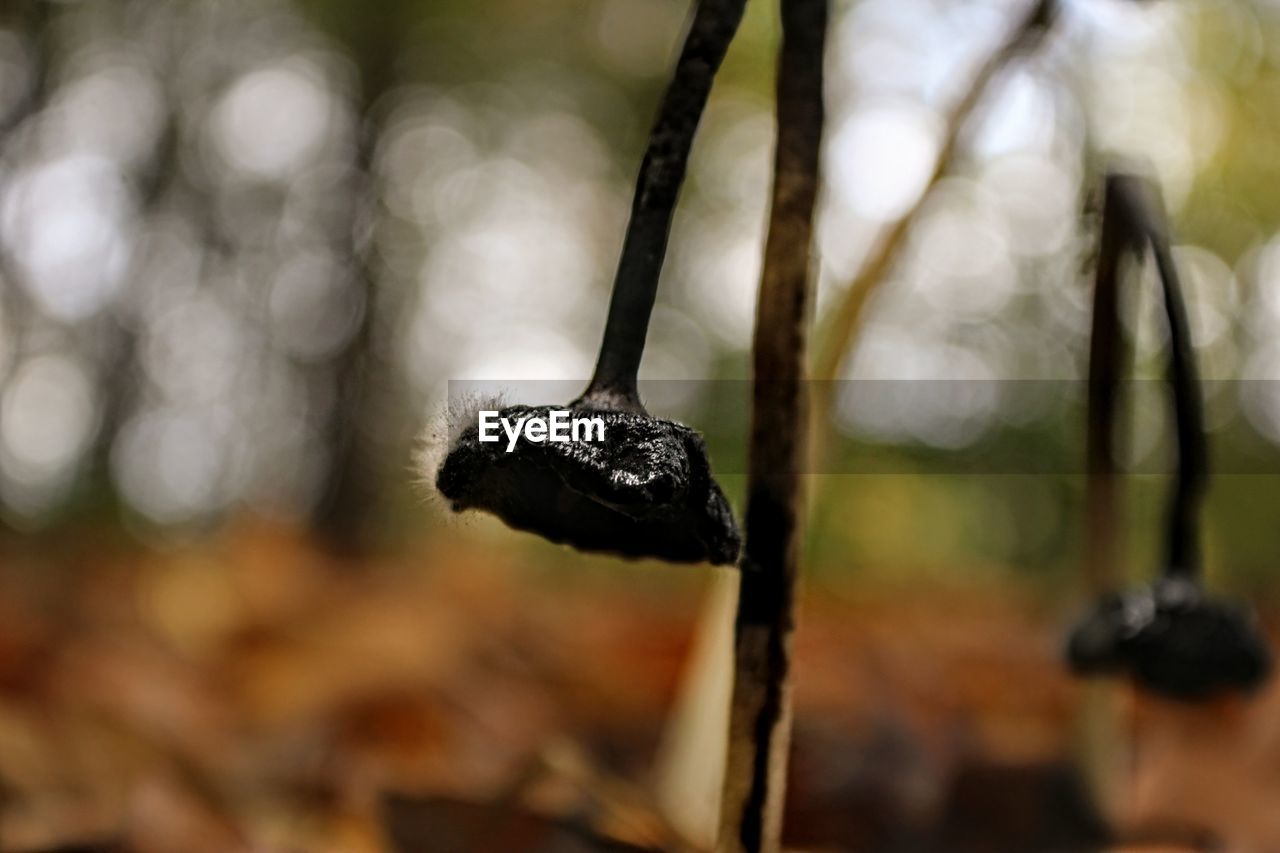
(1192, 475)
(759, 726)
(1133, 220)
(662, 172)
(1102, 748)
(1106, 346)
(838, 333)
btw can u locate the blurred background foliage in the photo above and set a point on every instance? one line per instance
(244, 246)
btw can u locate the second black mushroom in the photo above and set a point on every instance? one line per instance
(1171, 637)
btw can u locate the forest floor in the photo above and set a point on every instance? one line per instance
(256, 694)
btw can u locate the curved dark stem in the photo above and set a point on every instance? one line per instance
(1132, 216)
(1107, 352)
(662, 172)
(759, 725)
(1183, 557)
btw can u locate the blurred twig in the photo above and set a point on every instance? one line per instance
(759, 725)
(837, 336)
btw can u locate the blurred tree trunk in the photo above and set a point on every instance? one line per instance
(120, 374)
(349, 499)
(34, 21)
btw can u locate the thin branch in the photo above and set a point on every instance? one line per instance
(759, 728)
(662, 172)
(834, 344)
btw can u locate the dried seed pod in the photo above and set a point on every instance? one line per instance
(1173, 640)
(645, 490)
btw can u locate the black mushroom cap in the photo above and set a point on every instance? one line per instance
(1173, 640)
(646, 490)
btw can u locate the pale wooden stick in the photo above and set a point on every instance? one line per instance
(760, 718)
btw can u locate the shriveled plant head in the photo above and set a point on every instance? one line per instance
(646, 490)
(1173, 640)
